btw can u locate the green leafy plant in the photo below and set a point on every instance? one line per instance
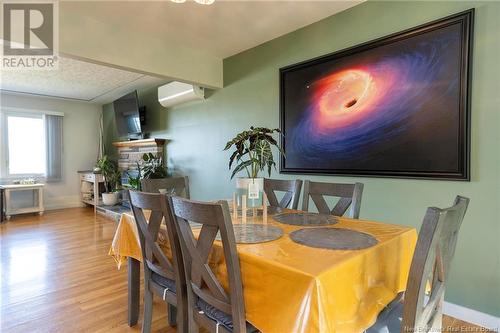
(134, 179)
(253, 151)
(110, 172)
(152, 167)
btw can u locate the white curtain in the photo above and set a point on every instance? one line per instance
(54, 143)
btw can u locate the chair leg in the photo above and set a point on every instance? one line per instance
(172, 315)
(437, 321)
(148, 311)
(192, 325)
(181, 318)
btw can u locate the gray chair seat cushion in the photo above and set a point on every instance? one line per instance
(221, 317)
(163, 281)
(390, 319)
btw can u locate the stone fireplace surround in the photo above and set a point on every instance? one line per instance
(129, 153)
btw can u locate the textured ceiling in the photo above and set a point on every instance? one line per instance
(76, 79)
(222, 29)
(219, 30)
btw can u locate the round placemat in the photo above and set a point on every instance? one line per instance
(273, 210)
(305, 219)
(255, 233)
(333, 238)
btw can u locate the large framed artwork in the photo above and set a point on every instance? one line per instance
(397, 106)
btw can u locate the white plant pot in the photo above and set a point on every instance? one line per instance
(252, 188)
(110, 199)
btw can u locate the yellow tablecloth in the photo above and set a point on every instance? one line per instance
(126, 241)
(294, 288)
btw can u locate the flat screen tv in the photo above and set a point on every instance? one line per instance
(128, 122)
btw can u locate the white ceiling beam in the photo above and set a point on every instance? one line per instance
(83, 37)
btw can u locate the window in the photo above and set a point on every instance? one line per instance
(30, 144)
(26, 145)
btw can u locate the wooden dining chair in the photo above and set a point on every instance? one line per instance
(162, 276)
(349, 194)
(291, 188)
(209, 304)
(172, 186)
(417, 310)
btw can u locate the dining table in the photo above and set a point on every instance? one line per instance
(292, 287)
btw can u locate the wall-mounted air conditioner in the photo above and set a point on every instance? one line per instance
(175, 93)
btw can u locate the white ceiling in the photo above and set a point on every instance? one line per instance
(222, 29)
(75, 79)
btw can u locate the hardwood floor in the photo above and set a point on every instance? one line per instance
(56, 276)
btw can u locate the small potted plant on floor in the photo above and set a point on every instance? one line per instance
(252, 154)
(112, 177)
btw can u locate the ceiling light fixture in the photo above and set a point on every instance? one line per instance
(201, 2)
(205, 2)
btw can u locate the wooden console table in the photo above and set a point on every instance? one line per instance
(95, 179)
(37, 207)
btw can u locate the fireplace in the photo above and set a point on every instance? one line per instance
(129, 154)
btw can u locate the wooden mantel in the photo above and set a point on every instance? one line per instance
(131, 152)
(140, 143)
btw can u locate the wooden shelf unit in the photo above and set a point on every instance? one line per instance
(95, 179)
(131, 152)
(140, 143)
(37, 207)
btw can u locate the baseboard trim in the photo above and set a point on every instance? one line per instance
(63, 202)
(472, 316)
(64, 206)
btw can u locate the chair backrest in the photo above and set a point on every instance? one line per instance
(201, 280)
(154, 258)
(349, 194)
(435, 249)
(291, 188)
(173, 185)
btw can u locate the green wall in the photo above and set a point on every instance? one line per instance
(199, 130)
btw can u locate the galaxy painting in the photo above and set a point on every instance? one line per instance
(394, 107)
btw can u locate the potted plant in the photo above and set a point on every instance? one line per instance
(112, 177)
(252, 154)
(133, 183)
(134, 179)
(151, 169)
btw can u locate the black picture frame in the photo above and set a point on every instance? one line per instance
(466, 21)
